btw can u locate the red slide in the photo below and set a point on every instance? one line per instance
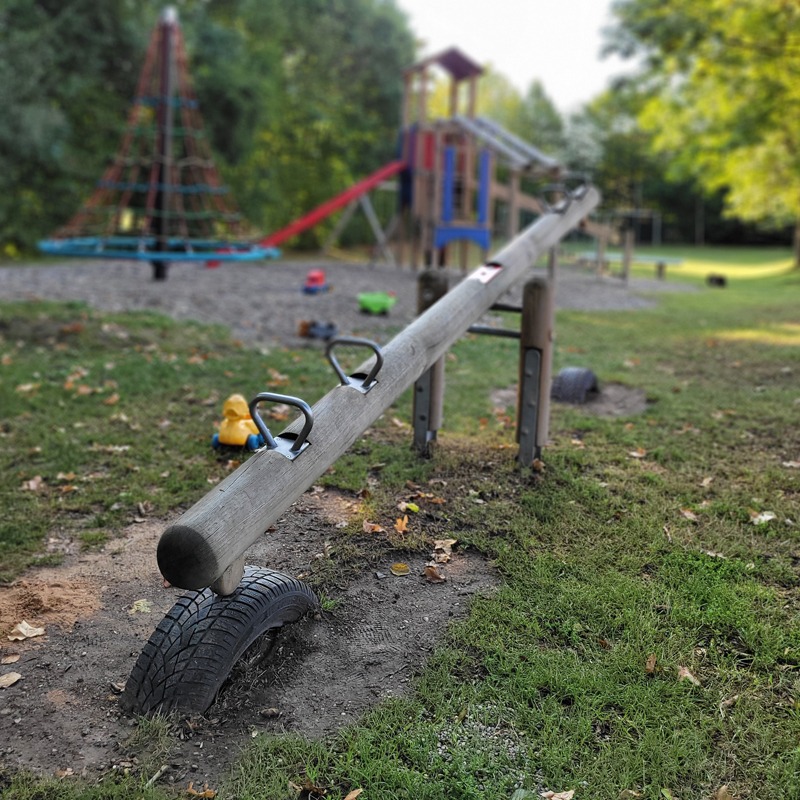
(327, 208)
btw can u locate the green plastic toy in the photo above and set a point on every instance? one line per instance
(376, 302)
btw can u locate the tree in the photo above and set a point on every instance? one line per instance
(723, 85)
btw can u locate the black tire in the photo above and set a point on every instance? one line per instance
(195, 646)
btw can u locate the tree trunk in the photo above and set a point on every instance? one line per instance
(796, 244)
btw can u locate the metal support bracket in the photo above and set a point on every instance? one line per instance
(287, 444)
(423, 434)
(529, 407)
(360, 381)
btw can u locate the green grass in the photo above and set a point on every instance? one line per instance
(544, 684)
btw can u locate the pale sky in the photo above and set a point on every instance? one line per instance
(556, 41)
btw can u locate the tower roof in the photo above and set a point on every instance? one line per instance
(452, 60)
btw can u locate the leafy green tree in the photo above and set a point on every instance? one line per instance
(723, 79)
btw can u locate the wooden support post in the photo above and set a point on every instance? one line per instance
(453, 97)
(601, 255)
(535, 368)
(513, 205)
(627, 255)
(196, 550)
(429, 388)
(473, 97)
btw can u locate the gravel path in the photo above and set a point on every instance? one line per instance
(263, 302)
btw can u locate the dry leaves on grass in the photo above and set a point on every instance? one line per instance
(9, 679)
(27, 388)
(405, 507)
(628, 794)
(141, 607)
(687, 513)
(277, 378)
(111, 399)
(207, 793)
(352, 795)
(401, 525)
(761, 518)
(685, 675)
(706, 482)
(33, 485)
(538, 465)
(22, 630)
(432, 575)
(639, 452)
(373, 527)
(558, 795)
(650, 665)
(723, 793)
(11, 658)
(727, 704)
(400, 569)
(791, 464)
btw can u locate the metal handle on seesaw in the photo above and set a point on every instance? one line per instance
(287, 444)
(363, 383)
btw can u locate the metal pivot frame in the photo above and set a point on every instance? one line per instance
(428, 413)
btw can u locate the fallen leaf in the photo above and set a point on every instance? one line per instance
(22, 630)
(372, 527)
(232, 464)
(668, 794)
(400, 568)
(401, 525)
(11, 658)
(277, 378)
(791, 464)
(706, 482)
(399, 423)
(443, 549)
(27, 388)
(579, 444)
(212, 479)
(603, 643)
(650, 665)
(628, 794)
(141, 607)
(687, 513)
(639, 452)
(67, 488)
(413, 507)
(207, 793)
(714, 554)
(279, 412)
(164, 424)
(438, 500)
(9, 679)
(34, 484)
(558, 795)
(111, 399)
(117, 688)
(7, 360)
(761, 519)
(432, 574)
(723, 793)
(65, 476)
(84, 390)
(727, 704)
(111, 449)
(352, 795)
(685, 675)
(538, 465)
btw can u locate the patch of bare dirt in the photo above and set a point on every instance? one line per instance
(315, 676)
(613, 400)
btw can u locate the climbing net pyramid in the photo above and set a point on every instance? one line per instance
(161, 198)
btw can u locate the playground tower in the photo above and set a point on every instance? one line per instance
(161, 198)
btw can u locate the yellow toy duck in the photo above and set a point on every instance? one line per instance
(238, 428)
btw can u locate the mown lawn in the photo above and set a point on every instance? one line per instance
(646, 635)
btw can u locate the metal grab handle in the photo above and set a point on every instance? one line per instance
(357, 381)
(289, 450)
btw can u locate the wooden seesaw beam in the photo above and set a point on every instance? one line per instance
(206, 545)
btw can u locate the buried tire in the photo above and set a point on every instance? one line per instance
(194, 648)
